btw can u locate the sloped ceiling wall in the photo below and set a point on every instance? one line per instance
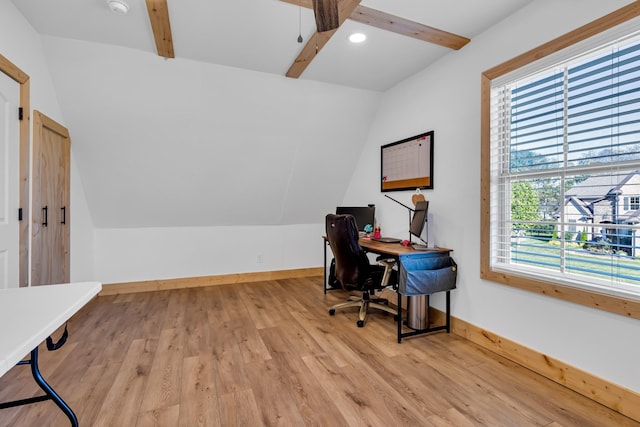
(165, 143)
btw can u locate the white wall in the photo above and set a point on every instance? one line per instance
(180, 143)
(195, 169)
(82, 229)
(21, 45)
(446, 98)
(150, 253)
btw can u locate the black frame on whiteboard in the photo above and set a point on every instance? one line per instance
(422, 162)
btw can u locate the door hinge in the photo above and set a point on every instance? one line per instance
(19, 214)
(20, 113)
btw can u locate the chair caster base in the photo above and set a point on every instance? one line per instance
(332, 312)
(360, 323)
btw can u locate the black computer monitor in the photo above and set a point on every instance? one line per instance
(363, 214)
(419, 218)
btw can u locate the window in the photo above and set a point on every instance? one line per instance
(561, 157)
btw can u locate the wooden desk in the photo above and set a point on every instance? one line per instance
(392, 249)
(29, 316)
(397, 251)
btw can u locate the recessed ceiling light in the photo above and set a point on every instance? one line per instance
(357, 38)
(118, 6)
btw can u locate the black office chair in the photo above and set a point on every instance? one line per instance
(353, 269)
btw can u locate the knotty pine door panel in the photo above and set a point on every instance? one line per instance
(51, 210)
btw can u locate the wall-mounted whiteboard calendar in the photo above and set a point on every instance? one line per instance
(407, 164)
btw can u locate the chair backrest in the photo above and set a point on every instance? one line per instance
(352, 264)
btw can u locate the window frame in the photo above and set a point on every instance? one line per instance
(612, 303)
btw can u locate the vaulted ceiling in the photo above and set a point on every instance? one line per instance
(262, 35)
(218, 135)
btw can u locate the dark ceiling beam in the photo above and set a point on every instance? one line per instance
(326, 13)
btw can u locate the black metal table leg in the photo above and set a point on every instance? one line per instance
(35, 370)
(324, 270)
(399, 317)
(448, 312)
(50, 392)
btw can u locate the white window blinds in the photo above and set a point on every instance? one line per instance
(565, 155)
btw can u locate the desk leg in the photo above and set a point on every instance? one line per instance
(35, 371)
(399, 317)
(448, 314)
(324, 271)
(50, 392)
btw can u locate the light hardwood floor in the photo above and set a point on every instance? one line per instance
(267, 353)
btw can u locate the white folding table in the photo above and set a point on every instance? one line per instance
(28, 317)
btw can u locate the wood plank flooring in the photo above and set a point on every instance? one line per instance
(268, 353)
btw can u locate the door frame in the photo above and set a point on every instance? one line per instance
(11, 70)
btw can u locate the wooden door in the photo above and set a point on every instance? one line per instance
(9, 181)
(51, 210)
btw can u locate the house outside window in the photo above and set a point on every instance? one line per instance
(561, 168)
